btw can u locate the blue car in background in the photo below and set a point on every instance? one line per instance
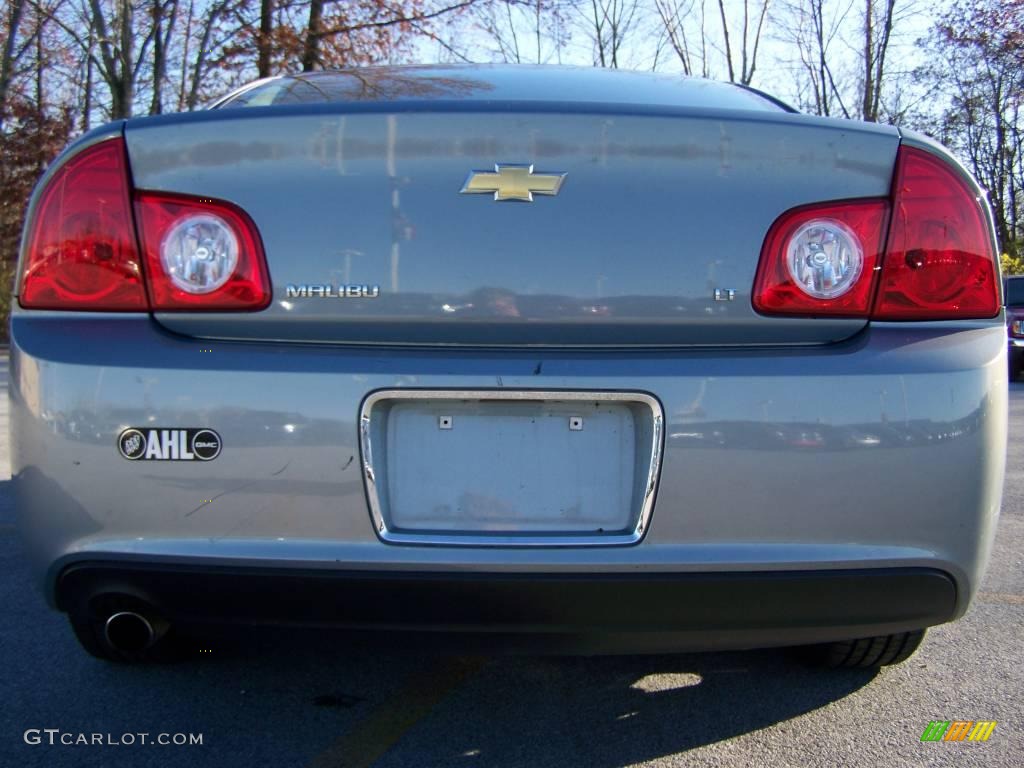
(1013, 293)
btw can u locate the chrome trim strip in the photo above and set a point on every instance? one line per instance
(1016, 342)
(550, 540)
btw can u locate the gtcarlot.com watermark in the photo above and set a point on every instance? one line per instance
(56, 737)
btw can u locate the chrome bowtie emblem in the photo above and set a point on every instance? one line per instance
(513, 182)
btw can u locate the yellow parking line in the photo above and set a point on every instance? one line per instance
(383, 727)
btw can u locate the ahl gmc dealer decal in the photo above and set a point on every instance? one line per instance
(169, 444)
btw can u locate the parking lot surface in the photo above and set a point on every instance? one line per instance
(299, 699)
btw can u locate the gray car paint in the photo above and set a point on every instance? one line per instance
(663, 202)
(739, 488)
(884, 449)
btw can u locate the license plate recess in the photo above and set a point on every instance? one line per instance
(511, 468)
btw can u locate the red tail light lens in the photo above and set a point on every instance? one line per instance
(939, 260)
(820, 260)
(81, 252)
(201, 254)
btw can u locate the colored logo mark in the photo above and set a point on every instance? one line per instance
(958, 730)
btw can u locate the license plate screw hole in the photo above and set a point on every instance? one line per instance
(444, 422)
(576, 423)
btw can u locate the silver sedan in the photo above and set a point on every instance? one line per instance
(580, 360)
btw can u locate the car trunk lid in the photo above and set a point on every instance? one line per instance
(653, 238)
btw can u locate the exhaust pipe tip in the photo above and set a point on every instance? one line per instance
(128, 632)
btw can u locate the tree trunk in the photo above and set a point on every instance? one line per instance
(867, 101)
(265, 42)
(40, 104)
(87, 96)
(7, 60)
(819, 32)
(182, 84)
(156, 105)
(311, 50)
(201, 51)
(599, 34)
(883, 48)
(728, 46)
(127, 82)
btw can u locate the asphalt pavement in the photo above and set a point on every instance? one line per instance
(298, 699)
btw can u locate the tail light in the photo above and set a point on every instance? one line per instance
(199, 254)
(82, 252)
(821, 260)
(938, 261)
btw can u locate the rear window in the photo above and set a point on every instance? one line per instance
(569, 85)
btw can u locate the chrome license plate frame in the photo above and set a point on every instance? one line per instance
(649, 450)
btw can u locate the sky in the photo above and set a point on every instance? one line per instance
(777, 56)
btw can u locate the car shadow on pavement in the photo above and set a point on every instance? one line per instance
(289, 698)
(629, 710)
(615, 711)
(549, 710)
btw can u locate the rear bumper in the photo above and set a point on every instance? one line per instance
(579, 611)
(885, 451)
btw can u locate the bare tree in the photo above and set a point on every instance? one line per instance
(877, 27)
(195, 73)
(523, 30)
(744, 42)
(164, 14)
(688, 42)
(814, 32)
(311, 48)
(116, 42)
(87, 94)
(109, 42)
(185, 46)
(11, 53)
(264, 43)
(357, 32)
(980, 68)
(611, 24)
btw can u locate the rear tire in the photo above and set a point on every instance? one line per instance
(867, 652)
